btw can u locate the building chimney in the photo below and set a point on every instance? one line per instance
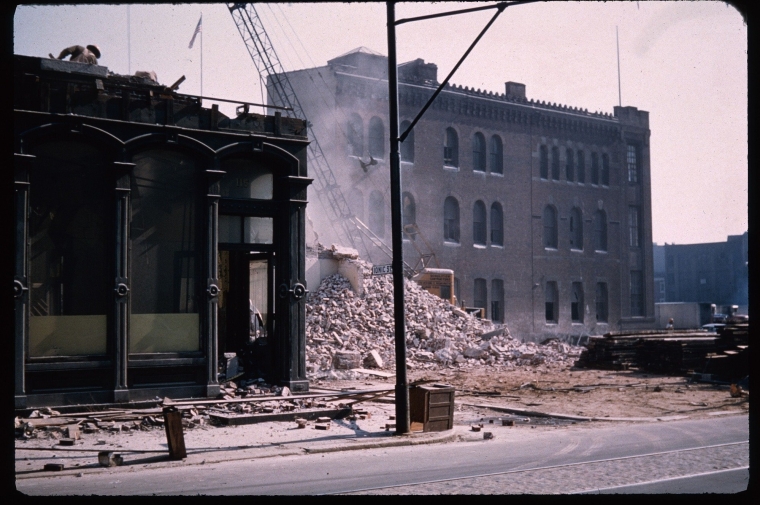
(515, 90)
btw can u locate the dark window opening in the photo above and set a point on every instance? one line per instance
(497, 155)
(601, 302)
(451, 220)
(594, 168)
(497, 300)
(600, 230)
(551, 302)
(451, 148)
(555, 163)
(497, 225)
(550, 227)
(479, 152)
(605, 170)
(581, 167)
(576, 229)
(576, 303)
(480, 298)
(570, 165)
(637, 293)
(376, 138)
(544, 162)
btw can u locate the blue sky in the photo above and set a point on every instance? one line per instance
(684, 62)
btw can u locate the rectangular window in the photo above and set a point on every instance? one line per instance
(544, 162)
(637, 293)
(551, 302)
(555, 163)
(581, 167)
(570, 165)
(632, 163)
(605, 170)
(601, 302)
(594, 168)
(497, 300)
(576, 303)
(634, 228)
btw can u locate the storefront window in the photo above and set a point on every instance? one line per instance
(246, 179)
(70, 202)
(165, 253)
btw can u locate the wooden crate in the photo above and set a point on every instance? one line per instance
(431, 407)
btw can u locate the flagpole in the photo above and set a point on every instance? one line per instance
(201, 53)
(617, 43)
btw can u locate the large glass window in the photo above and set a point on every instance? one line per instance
(376, 138)
(550, 227)
(70, 281)
(497, 225)
(246, 179)
(478, 152)
(496, 152)
(451, 148)
(166, 256)
(407, 146)
(377, 213)
(451, 220)
(479, 223)
(576, 229)
(600, 230)
(355, 134)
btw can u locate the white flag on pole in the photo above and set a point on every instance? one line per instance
(198, 30)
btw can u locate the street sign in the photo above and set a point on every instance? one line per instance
(382, 269)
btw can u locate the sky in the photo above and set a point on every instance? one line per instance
(684, 62)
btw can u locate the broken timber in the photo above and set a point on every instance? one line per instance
(238, 419)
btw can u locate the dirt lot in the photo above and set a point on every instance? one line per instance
(584, 392)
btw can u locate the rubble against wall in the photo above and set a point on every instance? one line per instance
(343, 328)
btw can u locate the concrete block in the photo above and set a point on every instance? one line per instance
(346, 360)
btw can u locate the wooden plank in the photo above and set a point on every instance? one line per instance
(310, 414)
(379, 373)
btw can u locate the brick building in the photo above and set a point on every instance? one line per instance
(542, 210)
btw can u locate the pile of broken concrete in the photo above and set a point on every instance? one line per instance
(350, 326)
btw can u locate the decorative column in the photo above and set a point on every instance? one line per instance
(123, 172)
(212, 280)
(292, 289)
(22, 164)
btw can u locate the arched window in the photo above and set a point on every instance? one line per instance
(451, 220)
(451, 148)
(576, 229)
(480, 295)
(570, 165)
(479, 223)
(550, 227)
(581, 167)
(355, 134)
(600, 230)
(377, 213)
(376, 138)
(605, 169)
(544, 162)
(408, 215)
(496, 152)
(478, 152)
(594, 168)
(407, 146)
(497, 225)
(555, 163)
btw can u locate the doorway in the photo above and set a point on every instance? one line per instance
(245, 302)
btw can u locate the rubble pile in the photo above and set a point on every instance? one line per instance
(345, 331)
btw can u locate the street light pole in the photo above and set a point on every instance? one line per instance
(402, 386)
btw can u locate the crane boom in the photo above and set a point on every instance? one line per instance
(328, 190)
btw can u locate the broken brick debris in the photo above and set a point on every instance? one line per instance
(341, 323)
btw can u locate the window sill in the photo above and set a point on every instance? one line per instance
(497, 246)
(551, 323)
(573, 250)
(479, 246)
(451, 168)
(601, 252)
(483, 172)
(449, 243)
(550, 249)
(407, 163)
(496, 174)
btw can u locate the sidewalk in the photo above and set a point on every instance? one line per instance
(209, 444)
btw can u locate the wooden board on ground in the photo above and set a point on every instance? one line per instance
(311, 414)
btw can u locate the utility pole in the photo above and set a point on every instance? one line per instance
(402, 386)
